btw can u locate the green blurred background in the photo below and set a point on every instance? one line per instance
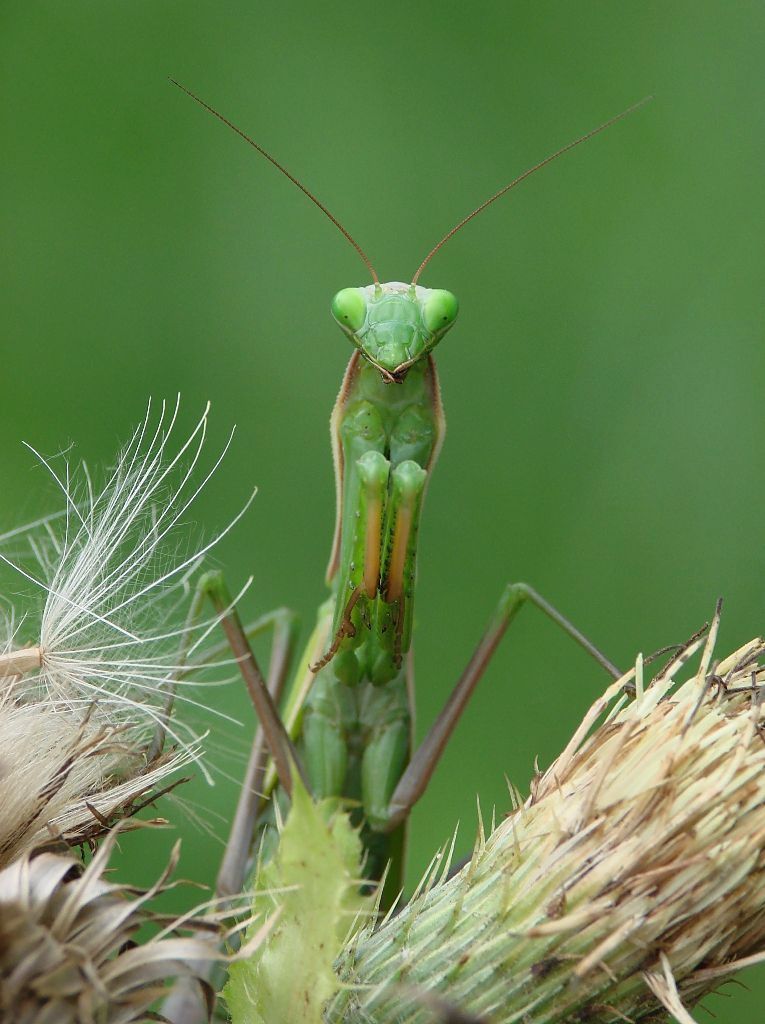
(603, 387)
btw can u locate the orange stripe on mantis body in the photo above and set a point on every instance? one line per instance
(397, 563)
(372, 543)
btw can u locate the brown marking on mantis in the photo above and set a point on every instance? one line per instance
(351, 372)
(401, 533)
(434, 389)
(398, 633)
(346, 628)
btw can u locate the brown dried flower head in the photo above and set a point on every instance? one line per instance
(63, 777)
(67, 951)
(86, 706)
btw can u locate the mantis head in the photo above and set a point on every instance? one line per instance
(394, 325)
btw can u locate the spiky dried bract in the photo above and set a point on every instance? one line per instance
(64, 777)
(631, 882)
(113, 579)
(67, 954)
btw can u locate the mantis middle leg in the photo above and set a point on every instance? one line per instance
(420, 769)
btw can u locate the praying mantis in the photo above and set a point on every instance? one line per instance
(345, 724)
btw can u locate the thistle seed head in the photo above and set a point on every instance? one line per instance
(631, 882)
(65, 777)
(112, 578)
(112, 646)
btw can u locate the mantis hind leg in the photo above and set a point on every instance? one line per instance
(418, 773)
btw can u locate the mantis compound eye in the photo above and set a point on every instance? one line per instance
(440, 310)
(349, 308)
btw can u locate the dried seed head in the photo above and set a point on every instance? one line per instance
(632, 879)
(65, 777)
(112, 577)
(67, 952)
(85, 708)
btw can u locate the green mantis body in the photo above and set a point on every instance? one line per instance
(347, 720)
(387, 428)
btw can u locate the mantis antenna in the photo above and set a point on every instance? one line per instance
(286, 173)
(522, 177)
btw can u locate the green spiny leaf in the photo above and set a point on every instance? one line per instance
(313, 880)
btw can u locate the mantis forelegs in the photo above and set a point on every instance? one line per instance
(357, 719)
(420, 769)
